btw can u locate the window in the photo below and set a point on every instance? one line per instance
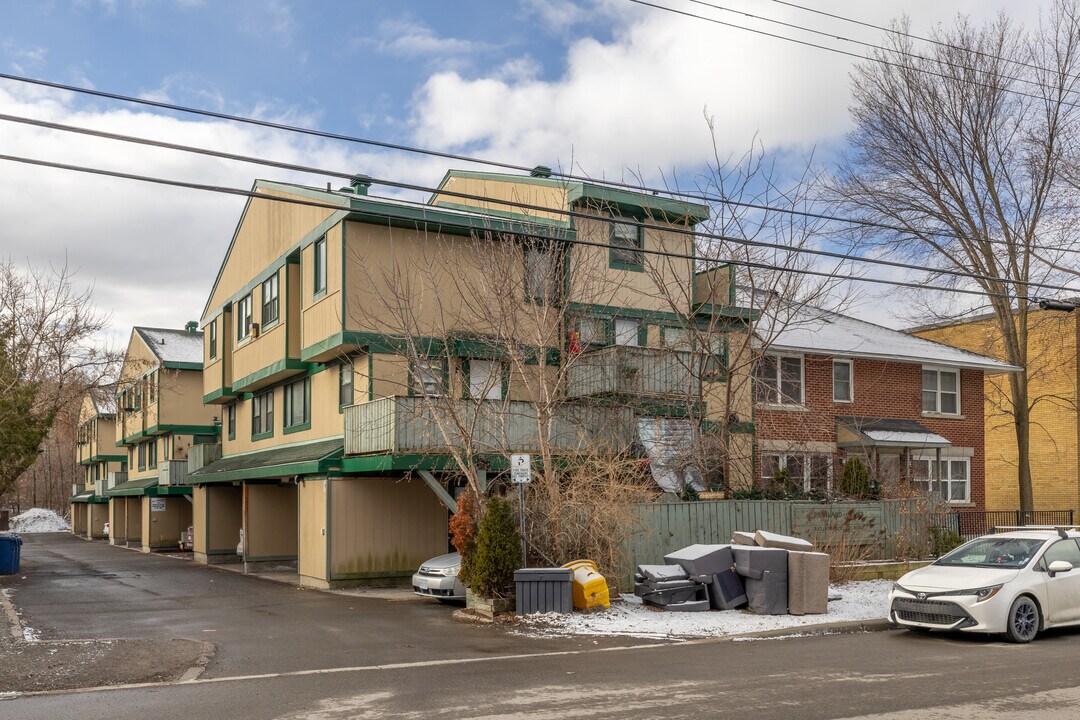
(151, 454)
(713, 367)
(428, 377)
(297, 410)
(626, 245)
(842, 385)
(627, 331)
(230, 419)
(270, 300)
(676, 338)
(486, 379)
(808, 471)
(319, 274)
(345, 383)
(213, 339)
(592, 331)
(1066, 550)
(779, 380)
(151, 388)
(951, 477)
(243, 317)
(262, 415)
(543, 277)
(941, 391)
(142, 456)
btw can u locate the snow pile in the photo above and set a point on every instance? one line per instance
(858, 601)
(38, 520)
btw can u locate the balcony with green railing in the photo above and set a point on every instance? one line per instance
(628, 370)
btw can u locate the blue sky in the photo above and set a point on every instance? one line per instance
(605, 87)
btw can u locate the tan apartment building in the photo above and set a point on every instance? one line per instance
(100, 461)
(364, 351)
(1053, 380)
(160, 415)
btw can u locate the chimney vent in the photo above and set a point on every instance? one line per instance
(191, 327)
(540, 171)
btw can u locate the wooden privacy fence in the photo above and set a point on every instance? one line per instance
(871, 530)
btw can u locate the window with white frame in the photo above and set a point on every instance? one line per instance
(941, 391)
(319, 269)
(951, 476)
(243, 317)
(592, 331)
(809, 471)
(486, 379)
(627, 241)
(627, 331)
(345, 383)
(843, 385)
(543, 276)
(779, 380)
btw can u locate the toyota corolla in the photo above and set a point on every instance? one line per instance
(1016, 583)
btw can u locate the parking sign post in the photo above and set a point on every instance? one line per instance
(521, 475)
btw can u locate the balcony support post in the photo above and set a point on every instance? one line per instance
(439, 490)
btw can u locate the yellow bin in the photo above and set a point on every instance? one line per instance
(590, 588)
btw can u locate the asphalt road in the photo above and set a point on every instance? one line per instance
(285, 653)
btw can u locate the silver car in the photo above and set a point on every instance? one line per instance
(438, 578)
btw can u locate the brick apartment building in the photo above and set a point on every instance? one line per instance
(830, 386)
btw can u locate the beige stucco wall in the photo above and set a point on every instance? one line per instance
(98, 515)
(513, 195)
(270, 522)
(133, 509)
(383, 526)
(217, 516)
(117, 521)
(266, 232)
(321, 317)
(162, 529)
(217, 371)
(78, 518)
(314, 496)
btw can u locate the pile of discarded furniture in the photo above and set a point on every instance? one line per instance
(770, 574)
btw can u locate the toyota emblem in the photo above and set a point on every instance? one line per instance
(921, 596)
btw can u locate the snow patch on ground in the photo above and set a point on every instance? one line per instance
(38, 520)
(867, 600)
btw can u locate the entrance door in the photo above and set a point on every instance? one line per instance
(1063, 590)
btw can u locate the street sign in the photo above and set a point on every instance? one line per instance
(520, 468)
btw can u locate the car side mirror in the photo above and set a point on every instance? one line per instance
(1059, 566)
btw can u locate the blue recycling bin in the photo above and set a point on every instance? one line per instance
(10, 550)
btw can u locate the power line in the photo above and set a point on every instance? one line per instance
(640, 188)
(575, 241)
(838, 51)
(882, 48)
(913, 36)
(512, 203)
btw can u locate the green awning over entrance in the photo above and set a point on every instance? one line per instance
(306, 459)
(133, 487)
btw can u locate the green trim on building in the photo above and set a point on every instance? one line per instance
(301, 459)
(286, 365)
(176, 429)
(220, 393)
(176, 365)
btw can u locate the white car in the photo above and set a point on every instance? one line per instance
(1016, 583)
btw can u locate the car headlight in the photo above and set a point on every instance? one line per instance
(451, 571)
(985, 593)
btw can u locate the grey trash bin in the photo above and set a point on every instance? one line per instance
(544, 590)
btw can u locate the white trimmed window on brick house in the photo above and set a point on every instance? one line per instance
(810, 471)
(951, 476)
(778, 380)
(940, 391)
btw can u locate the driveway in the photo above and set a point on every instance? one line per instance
(71, 588)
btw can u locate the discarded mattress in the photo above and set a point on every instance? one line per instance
(714, 565)
(787, 542)
(765, 577)
(808, 583)
(743, 538)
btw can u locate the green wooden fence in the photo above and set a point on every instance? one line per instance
(873, 530)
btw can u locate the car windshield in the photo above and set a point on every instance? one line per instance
(993, 552)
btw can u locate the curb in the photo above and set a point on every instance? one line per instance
(15, 626)
(846, 627)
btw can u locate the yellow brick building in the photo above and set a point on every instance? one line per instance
(1055, 424)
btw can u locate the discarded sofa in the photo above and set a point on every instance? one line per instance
(714, 565)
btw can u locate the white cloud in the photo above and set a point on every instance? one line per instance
(407, 38)
(637, 100)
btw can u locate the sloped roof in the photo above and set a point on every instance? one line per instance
(269, 463)
(817, 331)
(104, 400)
(173, 346)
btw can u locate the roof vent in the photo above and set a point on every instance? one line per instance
(191, 326)
(360, 184)
(540, 171)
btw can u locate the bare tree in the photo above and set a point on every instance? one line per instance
(961, 146)
(49, 356)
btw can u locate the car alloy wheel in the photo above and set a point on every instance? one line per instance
(1023, 620)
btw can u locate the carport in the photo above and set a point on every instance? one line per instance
(97, 514)
(166, 512)
(217, 520)
(118, 521)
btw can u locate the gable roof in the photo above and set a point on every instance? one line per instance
(178, 349)
(816, 331)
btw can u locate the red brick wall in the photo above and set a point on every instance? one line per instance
(881, 390)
